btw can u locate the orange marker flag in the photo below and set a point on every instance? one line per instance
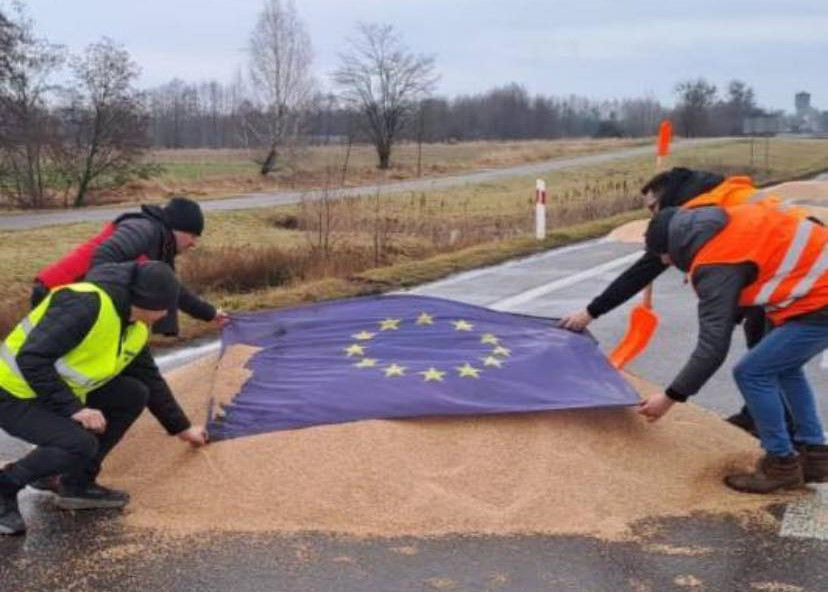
(665, 135)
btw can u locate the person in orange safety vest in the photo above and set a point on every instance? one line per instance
(755, 255)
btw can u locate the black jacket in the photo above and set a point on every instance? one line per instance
(64, 325)
(684, 185)
(718, 288)
(149, 233)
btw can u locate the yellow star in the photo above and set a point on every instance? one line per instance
(394, 370)
(432, 374)
(366, 363)
(468, 370)
(489, 338)
(355, 350)
(462, 325)
(425, 319)
(501, 351)
(390, 324)
(363, 335)
(492, 361)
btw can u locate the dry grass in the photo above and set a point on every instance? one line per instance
(403, 272)
(788, 158)
(210, 173)
(213, 173)
(315, 162)
(25, 252)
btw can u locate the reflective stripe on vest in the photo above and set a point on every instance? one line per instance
(792, 255)
(102, 354)
(807, 283)
(61, 366)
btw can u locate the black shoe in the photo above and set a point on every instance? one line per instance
(11, 522)
(89, 497)
(50, 484)
(744, 421)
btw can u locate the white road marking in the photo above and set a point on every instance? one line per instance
(824, 363)
(513, 302)
(495, 269)
(167, 362)
(807, 517)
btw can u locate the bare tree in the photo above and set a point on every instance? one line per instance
(280, 58)
(740, 103)
(8, 36)
(696, 97)
(381, 78)
(640, 117)
(105, 127)
(26, 127)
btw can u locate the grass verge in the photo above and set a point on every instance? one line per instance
(401, 275)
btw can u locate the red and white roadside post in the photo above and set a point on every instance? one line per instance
(540, 209)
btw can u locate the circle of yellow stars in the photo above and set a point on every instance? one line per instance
(495, 358)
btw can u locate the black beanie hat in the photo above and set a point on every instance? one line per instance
(154, 286)
(657, 238)
(185, 215)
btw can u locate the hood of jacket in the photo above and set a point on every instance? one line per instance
(115, 279)
(690, 230)
(157, 215)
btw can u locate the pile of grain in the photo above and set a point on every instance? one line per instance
(586, 471)
(631, 232)
(810, 191)
(812, 195)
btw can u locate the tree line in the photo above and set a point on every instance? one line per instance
(215, 115)
(92, 130)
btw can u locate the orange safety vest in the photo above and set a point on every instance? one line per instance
(788, 251)
(733, 191)
(737, 191)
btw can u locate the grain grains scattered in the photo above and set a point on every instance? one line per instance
(585, 471)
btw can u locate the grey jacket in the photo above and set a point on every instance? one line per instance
(149, 233)
(718, 288)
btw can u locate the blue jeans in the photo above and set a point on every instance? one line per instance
(771, 374)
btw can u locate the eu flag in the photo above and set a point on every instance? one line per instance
(406, 356)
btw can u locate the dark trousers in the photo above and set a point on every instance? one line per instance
(63, 445)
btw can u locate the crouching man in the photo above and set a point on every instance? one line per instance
(73, 379)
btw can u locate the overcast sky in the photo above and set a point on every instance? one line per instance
(595, 48)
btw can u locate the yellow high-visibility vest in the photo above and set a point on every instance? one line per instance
(100, 357)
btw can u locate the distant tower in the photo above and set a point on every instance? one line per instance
(802, 102)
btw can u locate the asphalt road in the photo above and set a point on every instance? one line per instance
(263, 200)
(558, 282)
(95, 551)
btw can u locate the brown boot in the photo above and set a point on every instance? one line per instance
(815, 462)
(772, 473)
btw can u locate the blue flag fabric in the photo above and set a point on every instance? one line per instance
(406, 356)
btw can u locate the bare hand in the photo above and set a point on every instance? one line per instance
(91, 419)
(655, 407)
(221, 319)
(577, 321)
(195, 435)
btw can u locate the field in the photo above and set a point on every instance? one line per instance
(330, 248)
(210, 173)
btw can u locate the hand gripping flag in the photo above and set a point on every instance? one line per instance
(406, 356)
